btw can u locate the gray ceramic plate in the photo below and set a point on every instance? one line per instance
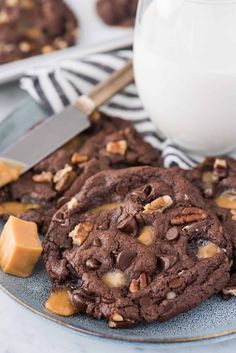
(215, 318)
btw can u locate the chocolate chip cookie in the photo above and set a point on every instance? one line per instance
(32, 27)
(137, 245)
(216, 178)
(108, 144)
(118, 12)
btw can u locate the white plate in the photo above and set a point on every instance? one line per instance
(95, 36)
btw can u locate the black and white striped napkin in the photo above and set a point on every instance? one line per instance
(56, 88)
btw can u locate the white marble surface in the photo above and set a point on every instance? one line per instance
(22, 331)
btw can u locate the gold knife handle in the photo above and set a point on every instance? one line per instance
(106, 90)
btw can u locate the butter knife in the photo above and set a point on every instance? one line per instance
(53, 133)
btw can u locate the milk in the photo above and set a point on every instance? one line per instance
(185, 70)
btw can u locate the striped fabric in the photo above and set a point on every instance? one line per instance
(57, 88)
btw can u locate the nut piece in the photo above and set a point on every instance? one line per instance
(60, 43)
(208, 181)
(116, 317)
(140, 283)
(11, 3)
(227, 199)
(170, 295)
(4, 17)
(233, 212)
(79, 158)
(147, 236)
(229, 291)
(119, 147)
(47, 49)
(64, 178)
(26, 4)
(208, 250)
(189, 215)
(158, 205)
(72, 203)
(117, 321)
(220, 168)
(114, 279)
(44, 177)
(81, 233)
(25, 47)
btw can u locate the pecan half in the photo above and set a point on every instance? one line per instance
(158, 205)
(189, 215)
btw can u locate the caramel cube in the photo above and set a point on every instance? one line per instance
(20, 247)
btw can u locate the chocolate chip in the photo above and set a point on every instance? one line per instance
(62, 201)
(175, 283)
(129, 225)
(97, 242)
(124, 259)
(92, 264)
(165, 263)
(122, 189)
(81, 306)
(145, 301)
(121, 324)
(172, 233)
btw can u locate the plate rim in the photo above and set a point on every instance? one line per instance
(117, 338)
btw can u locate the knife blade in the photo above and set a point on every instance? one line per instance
(53, 133)
(45, 138)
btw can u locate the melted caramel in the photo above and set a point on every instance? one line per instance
(227, 200)
(208, 250)
(16, 208)
(108, 207)
(9, 172)
(147, 236)
(59, 303)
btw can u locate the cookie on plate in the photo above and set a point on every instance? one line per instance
(32, 27)
(137, 245)
(118, 12)
(216, 178)
(109, 143)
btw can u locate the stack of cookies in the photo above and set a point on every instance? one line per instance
(31, 27)
(130, 240)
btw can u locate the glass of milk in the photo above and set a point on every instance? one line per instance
(185, 70)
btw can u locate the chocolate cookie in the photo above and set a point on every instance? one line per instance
(216, 178)
(32, 27)
(118, 12)
(110, 143)
(137, 245)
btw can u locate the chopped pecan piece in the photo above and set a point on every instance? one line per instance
(64, 178)
(79, 158)
(44, 177)
(189, 215)
(119, 147)
(81, 233)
